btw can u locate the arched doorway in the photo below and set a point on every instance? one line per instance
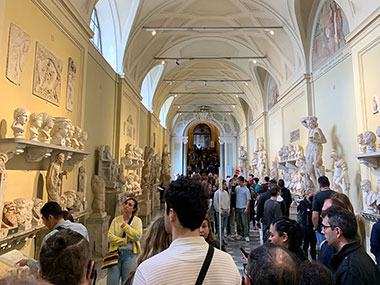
(203, 149)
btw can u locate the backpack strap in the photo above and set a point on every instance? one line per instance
(205, 265)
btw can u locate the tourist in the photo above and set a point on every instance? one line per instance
(243, 197)
(263, 197)
(286, 195)
(272, 210)
(155, 241)
(287, 233)
(309, 239)
(185, 209)
(207, 234)
(222, 208)
(375, 242)
(66, 259)
(318, 200)
(271, 264)
(53, 219)
(315, 273)
(231, 220)
(211, 209)
(351, 264)
(124, 235)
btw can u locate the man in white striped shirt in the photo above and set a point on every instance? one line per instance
(222, 207)
(185, 210)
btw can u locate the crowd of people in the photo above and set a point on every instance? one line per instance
(202, 160)
(182, 247)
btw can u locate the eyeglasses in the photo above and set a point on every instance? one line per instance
(323, 227)
(129, 204)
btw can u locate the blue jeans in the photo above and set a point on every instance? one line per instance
(224, 223)
(320, 238)
(242, 218)
(127, 262)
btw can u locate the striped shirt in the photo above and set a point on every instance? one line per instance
(182, 262)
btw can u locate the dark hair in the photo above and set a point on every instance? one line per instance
(196, 177)
(52, 208)
(241, 178)
(266, 178)
(251, 174)
(135, 206)
(343, 219)
(64, 258)
(281, 183)
(272, 264)
(263, 188)
(256, 179)
(315, 273)
(274, 190)
(341, 200)
(273, 181)
(189, 200)
(292, 229)
(68, 216)
(323, 181)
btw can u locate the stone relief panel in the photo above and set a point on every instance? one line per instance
(72, 70)
(18, 48)
(273, 93)
(47, 75)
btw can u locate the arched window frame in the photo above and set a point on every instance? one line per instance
(95, 27)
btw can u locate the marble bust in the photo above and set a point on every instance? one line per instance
(340, 179)
(9, 215)
(378, 135)
(37, 217)
(20, 116)
(24, 213)
(46, 126)
(35, 123)
(371, 197)
(60, 131)
(369, 139)
(363, 146)
(70, 199)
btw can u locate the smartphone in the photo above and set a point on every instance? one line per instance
(244, 252)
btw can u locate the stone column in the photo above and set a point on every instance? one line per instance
(185, 140)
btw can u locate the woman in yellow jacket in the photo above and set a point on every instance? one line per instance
(124, 235)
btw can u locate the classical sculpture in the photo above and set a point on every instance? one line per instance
(72, 70)
(129, 151)
(35, 123)
(363, 146)
(20, 116)
(47, 75)
(71, 196)
(9, 215)
(24, 213)
(243, 160)
(70, 134)
(378, 135)
(54, 179)
(299, 152)
(146, 170)
(371, 197)
(83, 138)
(166, 165)
(305, 181)
(108, 168)
(262, 160)
(47, 125)
(341, 182)
(291, 152)
(3, 178)
(75, 139)
(60, 131)
(369, 139)
(274, 171)
(82, 180)
(37, 217)
(314, 149)
(98, 188)
(18, 47)
(63, 202)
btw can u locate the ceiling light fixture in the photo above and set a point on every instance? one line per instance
(237, 96)
(254, 61)
(177, 62)
(163, 62)
(179, 107)
(246, 83)
(211, 29)
(234, 106)
(271, 32)
(175, 95)
(154, 32)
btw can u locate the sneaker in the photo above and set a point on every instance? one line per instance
(247, 239)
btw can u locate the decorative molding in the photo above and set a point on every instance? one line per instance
(364, 28)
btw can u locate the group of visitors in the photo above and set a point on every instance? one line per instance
(202, 160)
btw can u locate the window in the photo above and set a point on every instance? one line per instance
(164, 111)
(95, 27)
(149, 86)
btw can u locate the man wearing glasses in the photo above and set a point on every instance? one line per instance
(351, 264)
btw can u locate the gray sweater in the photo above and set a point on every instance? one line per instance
(272, 211)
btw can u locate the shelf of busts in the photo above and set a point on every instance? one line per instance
(370, 217)
(286, 165)
(26, 154)
(18, 239)
(370, 159)
(132, 163)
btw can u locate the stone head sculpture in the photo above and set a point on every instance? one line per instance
(369, 139)
(365, 185)
(9, 215)
(35, 122)
(20, 116)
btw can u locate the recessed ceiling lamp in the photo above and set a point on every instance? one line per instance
(271, 32)
(237, 96)
(163, 62)
(154, 32)
(179, 107)
(246, 83)
(254, 61)
(175, 95)
(204, 83)
(233, 106)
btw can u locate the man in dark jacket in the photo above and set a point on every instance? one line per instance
(375, 242)
(286, 195)
(352, 265)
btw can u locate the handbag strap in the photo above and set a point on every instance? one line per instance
(205, 265)
(129, 223)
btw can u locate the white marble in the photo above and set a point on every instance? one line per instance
(72, 70)
(362, 145)
(371, 197)
(37, 216)
(243, 161)
(98, 188)
(61, 130)
(46, 126)
(262, 164)
(341, 180)
(20, 117)
(54, 178)
(369, 139)
(274, 171)
(35, 123)
(24, 213)
(9, 219)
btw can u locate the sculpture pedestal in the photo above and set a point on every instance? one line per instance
(97, 227)
(145, 212)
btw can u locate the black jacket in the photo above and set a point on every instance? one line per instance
(260, 205)
(352, 265)
(305, 208)
(287, 196)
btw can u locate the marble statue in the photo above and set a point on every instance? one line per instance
(72, 70)
(47, 75)
(121, 178)
(98, 188)
(70, 199)
(24, 213)
(77, 132)
(166, 166)
(291, 152)
(3, 179)
(363, 146)
(128, 185)
(37, 217)
(371, 197)
(243, 160)
(78, 203)
(299, 152)
(63, 202)
(146, 170)
(255, 161)
(262, 159)
(70, 134)
(314, 149)
(369, 139)
(274, 171)
(18, 48)
(20, 116)
(378, 135)
(108, 168)
(341, 181)
(46, 126)
(305, 181)
(281, 153)
(54, 178)
(136, 185)
(60, 131)
(129, 151)
(82, 184)
(83, 138)
(35, 123)
(9, 215)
